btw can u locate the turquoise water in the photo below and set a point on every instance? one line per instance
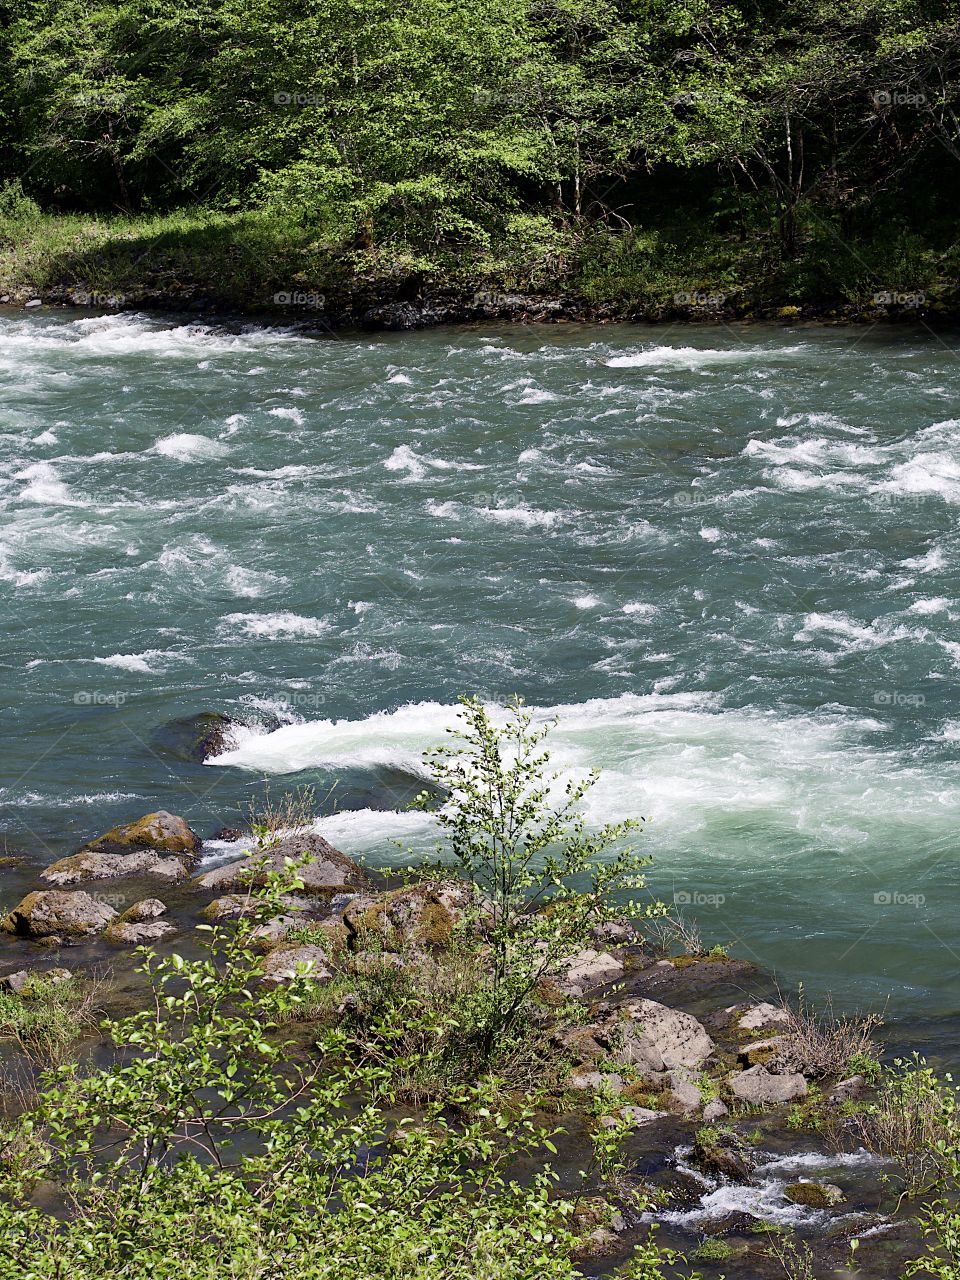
(727, 558)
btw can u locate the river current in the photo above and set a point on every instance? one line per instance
(726, 558)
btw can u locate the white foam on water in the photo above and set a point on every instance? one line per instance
(45, 437)
(186, 447)
(252, 583)
(679, 758)
(289, 415)
(710, 534)
(587, 602)
(45, 487)
(851, 636)
(145, 663)
(936, 604)
(405, 458)
(131, 333)
(536, 395)
(636, 608)
(695, 357)
(274, 626)
(400, 379)
(528, 517)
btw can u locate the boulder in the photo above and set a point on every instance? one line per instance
(587, 969)
(289, 963)
(815, 1195)
(715, 1110)
(328, 872)
(110, 866)
(762, 1052)
(760, 1016)
(161, 830)
(848, 1090)
(615, 933)
(419, 917)
(140, 924)
(758, 1087)
(587, 1081)
(720, 1155)
(684, 1092)
(51, 914)
(657, 1039)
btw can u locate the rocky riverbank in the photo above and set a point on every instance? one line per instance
(736, 1123)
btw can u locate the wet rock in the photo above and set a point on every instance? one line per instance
(758, 1087)
(737, 1223)
(286, 964)
(21, 981)
(140, 924)
(635, 1117)
(83, 867)
(416, 918)
(51, 914)
(721, 1155)
(814, 1195)
(228, 834)
(163, 831)
(588, 969)
(328, 872)
(758, 1017)
(657, 1039)
(196, 738)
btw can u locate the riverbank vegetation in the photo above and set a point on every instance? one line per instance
(443, 1079)
(673, 156)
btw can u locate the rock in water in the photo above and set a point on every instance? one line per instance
(51, 914)
(161, 830)
(140, 924)
(328, 872)
(815, 1195)
(110, 866)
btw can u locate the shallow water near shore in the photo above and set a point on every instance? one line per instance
(725, 558)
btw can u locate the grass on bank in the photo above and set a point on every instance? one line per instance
(266, 259)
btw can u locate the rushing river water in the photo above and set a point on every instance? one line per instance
(726, 558)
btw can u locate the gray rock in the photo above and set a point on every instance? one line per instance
(87, 866)
(587, 969)
(289, 963)
(52, 914)
(420, 917)
(24, 978)
(586, 1081)
(140, 924)
(685, 1095)
(145, 909)
(658, 1039)
(762, 1051)
(762, 1015)
(847, 1090)
(815, 1195)
(328, 872)
(759, 1088)
(614, 933)
(715, 1110)
(162, 831)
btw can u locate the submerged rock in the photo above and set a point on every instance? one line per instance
(81, 867)
(163, 831)
(328, 872)
(758, 1087)
(815, 1195)
(50, 914)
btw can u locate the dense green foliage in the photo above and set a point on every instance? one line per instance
(538, 141)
